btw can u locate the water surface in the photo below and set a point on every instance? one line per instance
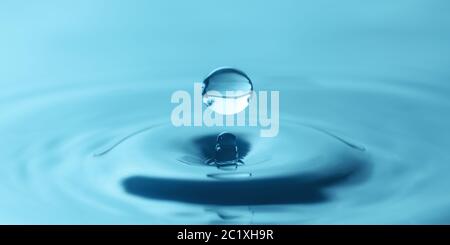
(85, 112)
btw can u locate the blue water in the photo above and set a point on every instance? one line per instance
(85, 111)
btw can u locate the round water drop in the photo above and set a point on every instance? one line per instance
(227, 91)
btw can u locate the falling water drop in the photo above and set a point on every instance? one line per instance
(227, 91)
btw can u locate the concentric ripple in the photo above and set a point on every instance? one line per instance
(108, 154)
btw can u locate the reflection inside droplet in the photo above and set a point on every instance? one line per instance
(227, 91)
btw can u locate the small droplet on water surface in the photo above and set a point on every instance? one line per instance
(227, 91)
(226, 149)
(226, 152)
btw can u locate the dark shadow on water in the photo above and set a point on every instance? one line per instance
(308, 188)
(205, 144)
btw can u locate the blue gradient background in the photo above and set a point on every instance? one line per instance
(78, 75)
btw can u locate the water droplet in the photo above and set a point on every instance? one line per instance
(226, 152)
(226, 148)
(227, 91)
